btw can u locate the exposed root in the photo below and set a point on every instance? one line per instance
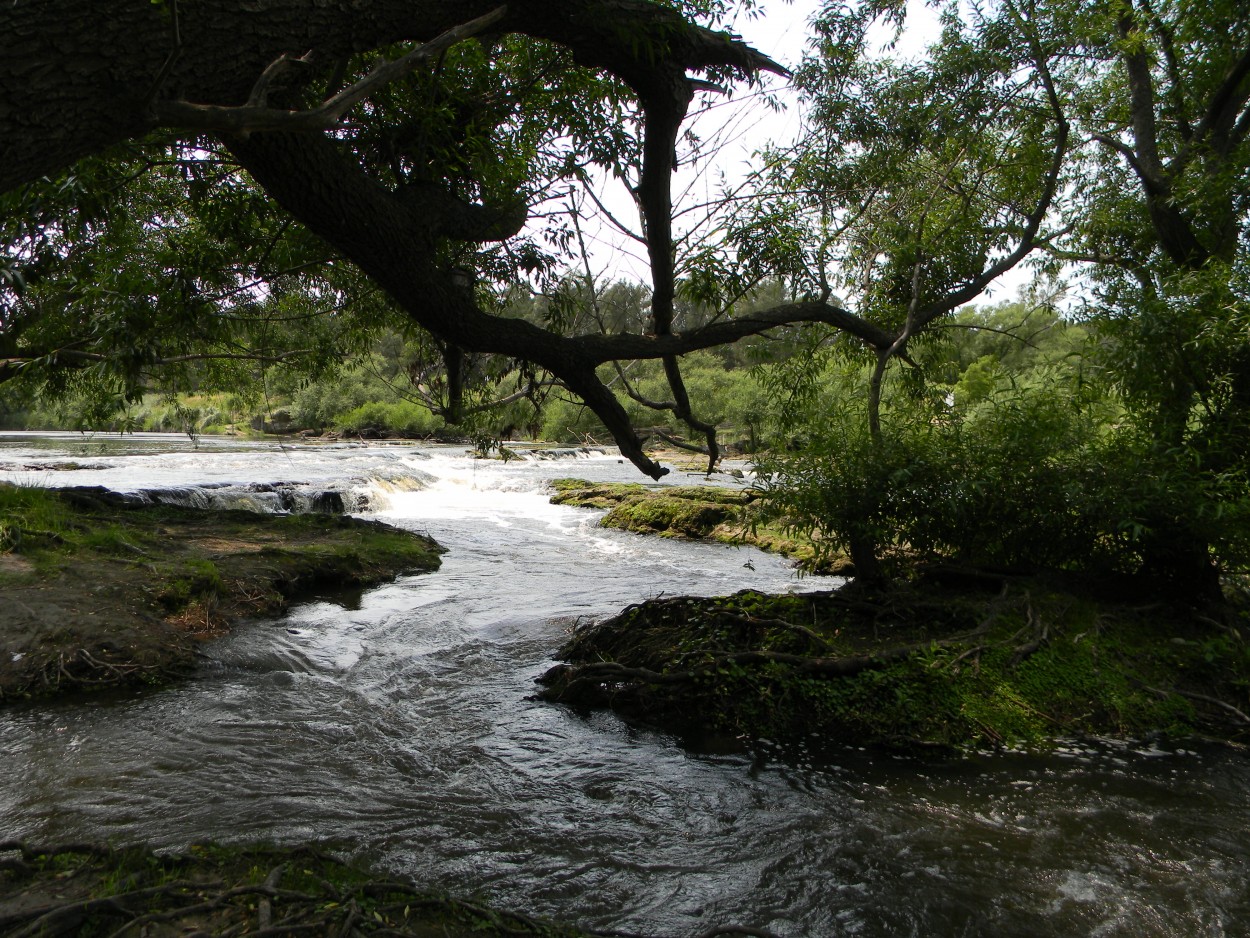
(1040, 633)
(768, 623)
(1203, 698)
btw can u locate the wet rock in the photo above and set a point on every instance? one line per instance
(327, 502)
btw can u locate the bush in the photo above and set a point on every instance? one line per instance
(1029, 478)
(405, 418)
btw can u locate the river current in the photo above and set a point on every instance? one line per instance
(398, 728)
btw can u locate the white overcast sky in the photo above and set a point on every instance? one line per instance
(742, 125)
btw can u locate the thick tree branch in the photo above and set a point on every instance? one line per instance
(255, 116)
(1176, 233)
(1176, 84)
(442, 211)
(1142, 106)
(1025, 244)
(395, 237)
(1224, 106)
(601, 348)
(80, 77)
(1130, 156)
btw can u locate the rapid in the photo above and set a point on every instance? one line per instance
(398, 728)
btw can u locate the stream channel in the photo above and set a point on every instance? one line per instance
(398, 728)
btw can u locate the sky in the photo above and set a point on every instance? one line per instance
(739, 126)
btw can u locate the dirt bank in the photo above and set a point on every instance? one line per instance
(100, 593)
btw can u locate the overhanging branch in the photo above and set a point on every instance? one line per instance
(255, 116)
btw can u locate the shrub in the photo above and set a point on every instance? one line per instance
(401, 419)
(1029, 477)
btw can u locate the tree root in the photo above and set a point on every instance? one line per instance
(1040, 634)
(1204, 698)
(748, 619)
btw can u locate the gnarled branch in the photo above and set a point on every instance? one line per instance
(255, 116)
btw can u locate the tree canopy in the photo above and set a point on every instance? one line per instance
(243, 153)
(1110, 141)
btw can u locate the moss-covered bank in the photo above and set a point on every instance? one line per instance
(920, 665)
(694, 512)
(98, 592)
(85, 890)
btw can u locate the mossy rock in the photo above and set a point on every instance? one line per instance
(691, 512)
(696, 512)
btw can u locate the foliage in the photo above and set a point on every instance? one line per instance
(194, 257)
(1115, 137)
(164, 267)
(1022, 470)
(404, 419)
(915, 177)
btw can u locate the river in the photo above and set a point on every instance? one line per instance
(398, 728)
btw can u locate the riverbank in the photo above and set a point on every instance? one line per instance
(916, 665)
(924, 664)
(695, 512)
(81, 890)
(958, 662)
(102, 593)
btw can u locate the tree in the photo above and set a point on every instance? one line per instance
(1150, 196)
(418, 167)
(1157, 216)
(915, 188)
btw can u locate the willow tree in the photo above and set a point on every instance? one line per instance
(173, 168)
(1157, 220)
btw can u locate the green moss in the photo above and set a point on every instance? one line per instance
(670, 517)
(952, 669)
(693, 512)
(593, 495)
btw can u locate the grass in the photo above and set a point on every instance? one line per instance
(102, 593)
(914, 667)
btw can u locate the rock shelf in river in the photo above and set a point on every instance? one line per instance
(100, 591)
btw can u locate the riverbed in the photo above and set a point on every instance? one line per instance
(398, 728)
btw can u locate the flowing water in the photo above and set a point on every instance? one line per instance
(398, 727)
